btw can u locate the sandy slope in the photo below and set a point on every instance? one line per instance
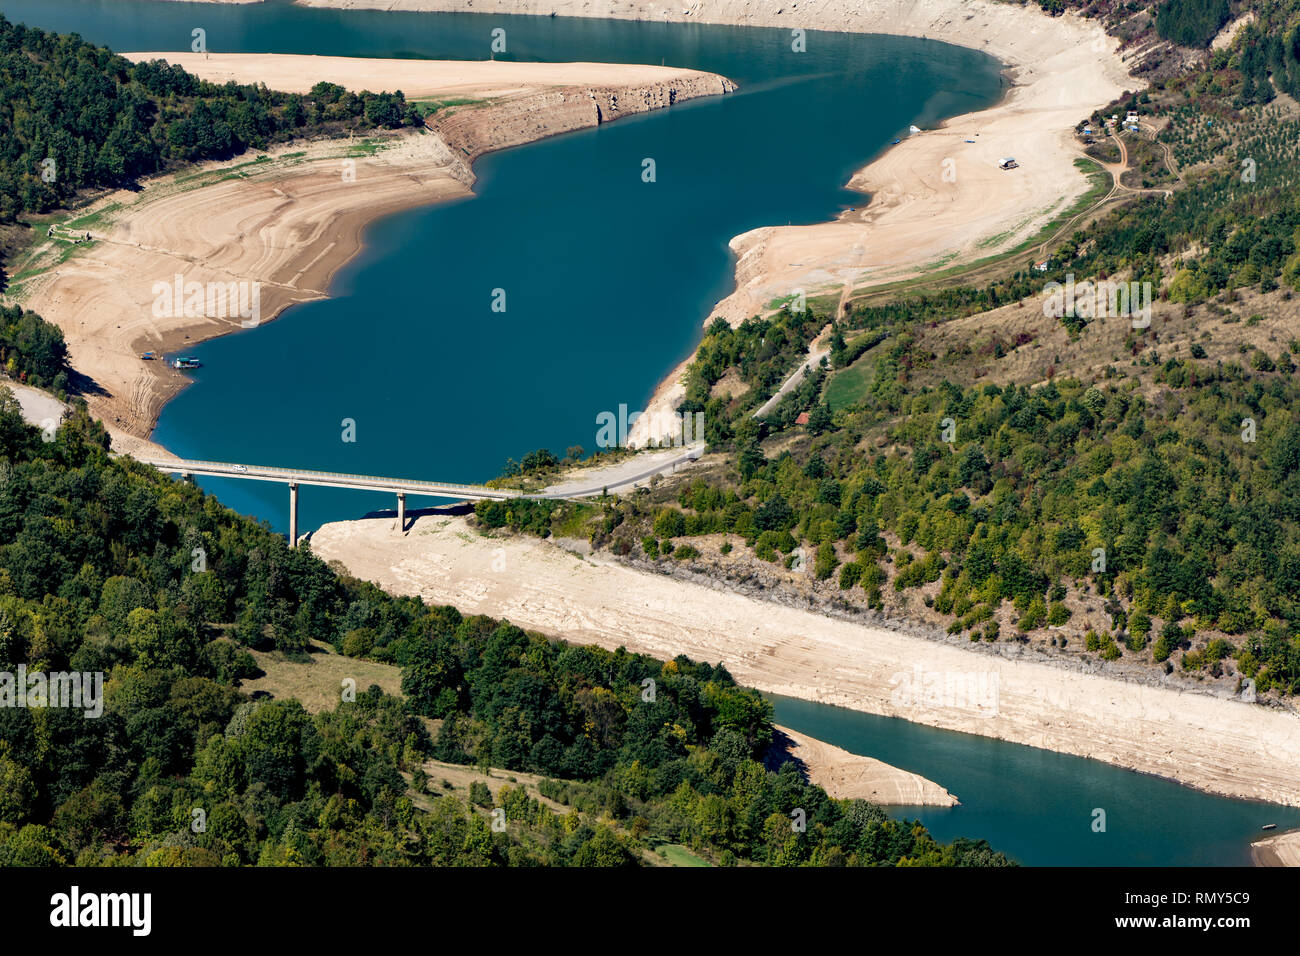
(1219, 745)
(290, 222)
(850, 776)
(1280, 850)
(417, 79)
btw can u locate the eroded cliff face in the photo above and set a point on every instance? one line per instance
(469, 132)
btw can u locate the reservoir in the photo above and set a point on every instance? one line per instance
(609, 281)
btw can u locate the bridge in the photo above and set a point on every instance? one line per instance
(401, 487)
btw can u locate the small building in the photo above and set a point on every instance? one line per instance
(1040, 266)
(1132, 117)
(1008, 162)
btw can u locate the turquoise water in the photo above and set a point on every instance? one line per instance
(1038, 806)
(608, 281)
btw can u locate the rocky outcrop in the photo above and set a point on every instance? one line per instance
(469, 132)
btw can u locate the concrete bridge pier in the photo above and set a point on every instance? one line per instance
(401, 512)
(293, 514)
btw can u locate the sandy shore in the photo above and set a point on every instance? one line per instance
(848, 776)
(1280, 850)
(1223, 746)
(289, 219)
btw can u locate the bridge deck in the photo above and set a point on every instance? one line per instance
(330, 479)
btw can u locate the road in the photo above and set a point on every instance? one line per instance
(815, 355)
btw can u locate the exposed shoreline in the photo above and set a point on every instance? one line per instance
(850, 776)
(1217, 745)
(289, 219)
(1280, 850)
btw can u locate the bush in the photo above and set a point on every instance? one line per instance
(1058, 614)
(825, 563)
(359, 642)
(1034, 615)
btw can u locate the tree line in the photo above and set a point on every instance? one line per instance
(77, 115)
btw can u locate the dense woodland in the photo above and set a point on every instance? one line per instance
(76, 115)
(32, 350)
(100, 573)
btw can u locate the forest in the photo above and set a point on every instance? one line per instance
(1191, 22)
(109, 567)
(32, 350)
(77, 115)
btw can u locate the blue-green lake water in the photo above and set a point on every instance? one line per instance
(608, 282)
(1039, 807)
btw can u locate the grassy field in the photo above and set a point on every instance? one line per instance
(678, 855)
(849, 385)
(428, 107)
(318, 681)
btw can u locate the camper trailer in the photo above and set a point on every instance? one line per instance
(1008, 163)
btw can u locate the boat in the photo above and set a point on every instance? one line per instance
(148, 356)
(188, 362)
(1269, 826)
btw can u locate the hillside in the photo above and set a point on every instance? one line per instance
(1116, 487)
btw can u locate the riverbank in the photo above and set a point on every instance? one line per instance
(288, 219)
(1280, 850)
(1222, 746)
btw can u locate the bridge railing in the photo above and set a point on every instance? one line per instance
(236, 470)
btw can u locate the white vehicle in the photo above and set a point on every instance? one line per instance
(239, 468)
